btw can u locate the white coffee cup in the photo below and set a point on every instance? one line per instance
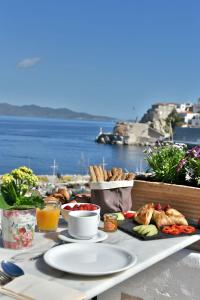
(83, 224)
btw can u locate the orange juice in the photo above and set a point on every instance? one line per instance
(48, 217)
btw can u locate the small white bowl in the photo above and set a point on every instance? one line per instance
(65, 212)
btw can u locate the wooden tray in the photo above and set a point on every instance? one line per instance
(127, 226)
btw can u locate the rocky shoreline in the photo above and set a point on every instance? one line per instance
(130, 133)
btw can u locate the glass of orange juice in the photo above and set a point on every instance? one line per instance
(48, 217)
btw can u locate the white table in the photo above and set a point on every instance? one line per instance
(148, 253)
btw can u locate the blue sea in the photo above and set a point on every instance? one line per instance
(36, 143)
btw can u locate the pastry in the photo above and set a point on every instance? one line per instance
(161, 219)
(176, 216)
(144, 214)
(64, 192)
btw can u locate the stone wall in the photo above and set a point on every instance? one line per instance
(137, 133)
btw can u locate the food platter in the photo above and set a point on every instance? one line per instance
(90, 259)
(128, 225)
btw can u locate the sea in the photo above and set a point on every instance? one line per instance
(37, 143)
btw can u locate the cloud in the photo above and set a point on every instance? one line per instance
(28, 62)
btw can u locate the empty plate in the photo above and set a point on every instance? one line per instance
(90, 259)
(99, 237)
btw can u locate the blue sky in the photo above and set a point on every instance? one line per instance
(105, 57)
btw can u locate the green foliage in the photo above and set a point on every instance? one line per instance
(3, 203)
(173, 120)
(163, 161)
(14, 188)
(193, 166)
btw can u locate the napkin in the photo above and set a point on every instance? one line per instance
(33, 288)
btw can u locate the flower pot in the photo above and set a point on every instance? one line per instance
(18, 227)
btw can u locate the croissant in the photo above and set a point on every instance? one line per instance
(176, 216)
(144, 214)
(173, 212)
(161, 219)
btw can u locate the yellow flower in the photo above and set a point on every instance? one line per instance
(7, 179)
(18, 174)
(26, 170)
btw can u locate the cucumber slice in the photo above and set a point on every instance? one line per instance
(143, 229)
(148, 230)
(137, 228)
(153, 231)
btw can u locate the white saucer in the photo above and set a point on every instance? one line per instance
(99, 237)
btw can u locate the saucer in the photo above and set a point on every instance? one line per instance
(99, 237)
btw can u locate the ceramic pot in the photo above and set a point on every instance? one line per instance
(18, 227)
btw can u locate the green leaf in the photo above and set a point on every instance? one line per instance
(3, 204)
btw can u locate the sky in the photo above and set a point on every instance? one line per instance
(105, 57)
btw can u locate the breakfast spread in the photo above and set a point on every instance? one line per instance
(98, 174)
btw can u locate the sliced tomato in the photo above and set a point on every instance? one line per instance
(187, 229)
(171, 230)
(177, 229)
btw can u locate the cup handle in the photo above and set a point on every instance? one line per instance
(99, 219)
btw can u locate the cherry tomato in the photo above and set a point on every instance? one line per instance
(129, 214)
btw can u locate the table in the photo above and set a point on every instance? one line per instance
(148, 253)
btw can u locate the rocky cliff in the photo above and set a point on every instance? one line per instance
(157, 116)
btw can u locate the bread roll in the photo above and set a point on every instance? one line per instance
(105, 175)
(98, 174)
(101, 173)
(93, 177)
(123, 176)
(130, 176)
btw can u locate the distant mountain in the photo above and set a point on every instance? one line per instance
(47, 112)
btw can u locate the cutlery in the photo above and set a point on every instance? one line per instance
(32, 255)
(11, 269)
(4, 278)
(13, 295)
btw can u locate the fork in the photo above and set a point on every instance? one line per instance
(4, 278)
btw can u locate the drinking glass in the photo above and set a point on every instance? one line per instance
(48, 217)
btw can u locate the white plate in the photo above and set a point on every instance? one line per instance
(101, 236)
(89, 259)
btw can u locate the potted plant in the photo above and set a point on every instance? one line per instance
(174, 179)
(18, 203)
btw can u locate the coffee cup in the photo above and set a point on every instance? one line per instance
(83, 224)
